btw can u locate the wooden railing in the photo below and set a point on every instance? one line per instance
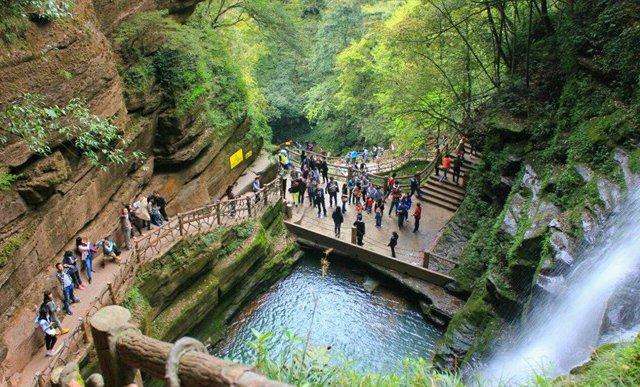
(123, 351)
(152, 245)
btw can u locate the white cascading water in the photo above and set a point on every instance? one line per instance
(561, 331)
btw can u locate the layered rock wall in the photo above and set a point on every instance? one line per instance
(60, 196)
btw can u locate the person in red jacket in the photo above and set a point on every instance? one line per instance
(417, 214)
(446, 165)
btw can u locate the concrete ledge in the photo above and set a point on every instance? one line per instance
(367, 256)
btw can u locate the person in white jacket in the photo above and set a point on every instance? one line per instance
(49, 330)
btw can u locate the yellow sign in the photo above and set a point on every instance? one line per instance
(248, 154)
(236, 158)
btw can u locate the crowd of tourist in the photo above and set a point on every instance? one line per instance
(310, 180)
(75, 271)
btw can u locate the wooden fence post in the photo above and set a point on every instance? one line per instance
(425, 259)
(85, 333)
(354, 235)
(266, 196)
(288, 211)
(180, 225)
(106, 325)
(218, 215)
(112, 293)
(249, 205)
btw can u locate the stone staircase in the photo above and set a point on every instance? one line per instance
(446, 194)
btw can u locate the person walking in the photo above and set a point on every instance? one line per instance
(438, 161)
(126, 228)
(319, 202)
(457, 166)
(396, 194)
(393, 242)
(338, 218)
(50, 333)
(360, 230)
(417, 214)
(414, 185)
(311, 190)
(446, 165)
(67, 288)
(332, 190)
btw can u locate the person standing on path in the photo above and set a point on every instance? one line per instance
(324, 169)
(256, 187)
(70, 262)
(417, 214)
(393, 242)
(345, 197)
(438, 161)
(338, 218)
(161, 202)
(67, 288)
(294, 190)
(83, 250)
(52, 310)
(50, 334)
(360, 230)
(125, 227)
(396, 194)
(319, 202)
(302, 190)
(457, 166)
(379, 210)
(332, 190)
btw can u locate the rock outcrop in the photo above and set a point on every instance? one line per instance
(60, 196)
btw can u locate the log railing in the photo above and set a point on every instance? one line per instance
(152, 245)
(123, 351)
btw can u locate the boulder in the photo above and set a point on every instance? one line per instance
(609, 193)
(622, 158)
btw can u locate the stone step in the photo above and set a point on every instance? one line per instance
(443, 191)
(447, 184)
(429, 191)
(439, 203)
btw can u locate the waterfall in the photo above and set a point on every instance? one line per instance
(561, 331)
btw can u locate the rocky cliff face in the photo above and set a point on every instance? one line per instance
(60, 196)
